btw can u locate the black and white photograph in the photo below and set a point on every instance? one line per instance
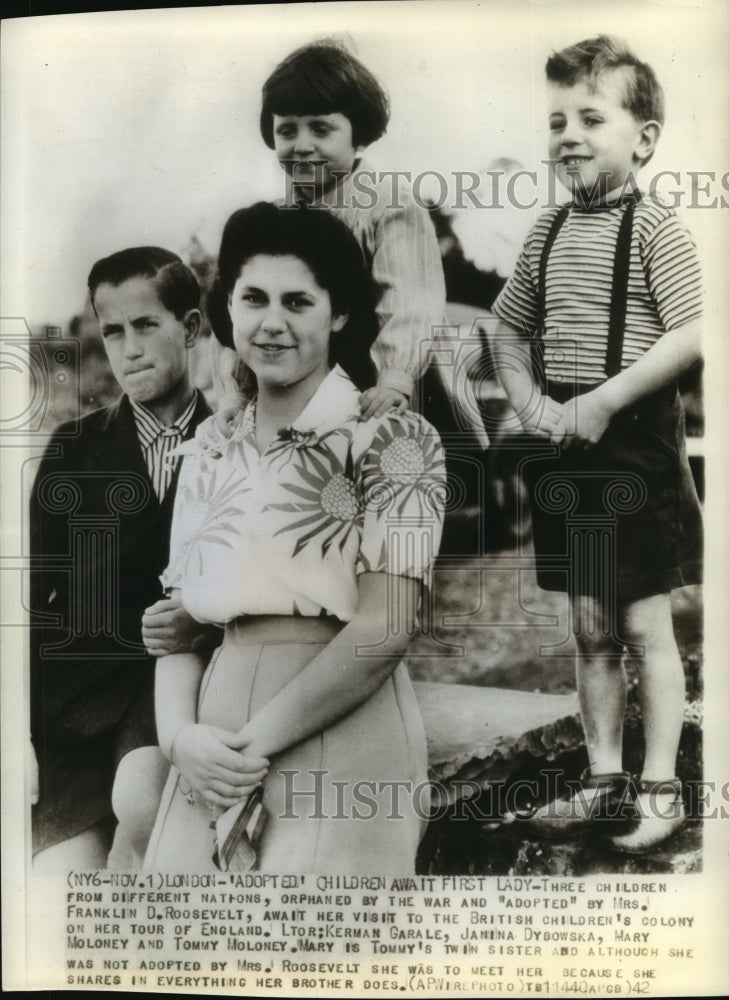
(364, 497)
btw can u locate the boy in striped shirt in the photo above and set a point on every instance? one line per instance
(600, 318)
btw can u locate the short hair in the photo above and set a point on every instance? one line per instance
(643, 94)
(323, 78)
(176, 285)
(329, 250)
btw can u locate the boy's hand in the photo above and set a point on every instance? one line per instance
(210, 758)
(167, 628)
(377, 401)
(584, 420)
(543, 417)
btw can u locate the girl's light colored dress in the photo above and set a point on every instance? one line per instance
(271, 546)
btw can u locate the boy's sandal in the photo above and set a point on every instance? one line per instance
(570, 815)
(655, 826)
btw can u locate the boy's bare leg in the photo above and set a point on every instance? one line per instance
(601, 686)
(138, 786)
(85, 851)
(648, 624)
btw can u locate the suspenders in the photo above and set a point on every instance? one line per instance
(618, 296)
(537, 340)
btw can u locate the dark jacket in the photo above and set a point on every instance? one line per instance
(99, 541)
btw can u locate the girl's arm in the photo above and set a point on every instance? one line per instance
(340, 678)
(208, 757)
(410, 288)
(585, 419)
(176, 685)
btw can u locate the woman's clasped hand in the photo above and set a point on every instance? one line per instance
(215, 763)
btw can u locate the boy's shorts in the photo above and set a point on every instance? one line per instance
(77, 775)
(621, 520)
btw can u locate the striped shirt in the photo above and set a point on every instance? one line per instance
(664, 286)
(157, 441)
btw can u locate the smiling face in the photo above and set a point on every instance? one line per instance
(594, 142)
(282, 320)
(147, 345)
(314, 150)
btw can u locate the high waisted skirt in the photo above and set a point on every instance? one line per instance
(352, 798)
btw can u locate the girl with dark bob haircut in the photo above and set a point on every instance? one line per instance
(320, 110)
(321, 78)
(334, 258)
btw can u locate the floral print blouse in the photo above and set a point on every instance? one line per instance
(287, 532)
